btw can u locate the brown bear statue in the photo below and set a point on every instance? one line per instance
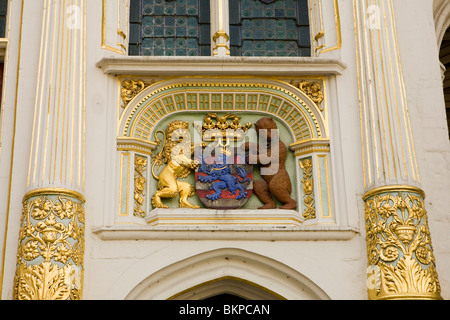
(276, 182)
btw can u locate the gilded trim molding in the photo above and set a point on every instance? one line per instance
(140, 182)
(303, 118)
(54, 191)
(136, 145)
(309, 146)
(308, 188)
(337, 20)
(393, 188)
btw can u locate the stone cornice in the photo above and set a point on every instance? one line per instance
(254, 66)
(304, 233)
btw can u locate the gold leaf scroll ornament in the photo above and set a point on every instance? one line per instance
(313, 90)
(51, 248)
(131, 88)
(140, 164)
(399, 246)
(308, 189)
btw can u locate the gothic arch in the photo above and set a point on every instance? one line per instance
(276, 98)
(442, 23)
(441, 15)
(227, 271)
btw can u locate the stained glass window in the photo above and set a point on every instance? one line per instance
(269, 28)
(3, 13)
(170, 28)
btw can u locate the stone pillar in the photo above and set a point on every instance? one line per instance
(51, 240)
(401, 264)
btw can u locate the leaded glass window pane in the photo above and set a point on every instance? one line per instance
(269, 28)
(3, 13)
(170, 28)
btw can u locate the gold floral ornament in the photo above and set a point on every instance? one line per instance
(308, 189)
(176, 156)
(399, 247)
(51, 248)
(131, 88)
(140, 164)
(313, 89)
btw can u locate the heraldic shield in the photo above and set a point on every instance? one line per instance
(224, 181)
(224, 177)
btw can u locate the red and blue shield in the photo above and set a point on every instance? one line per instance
(224, 181)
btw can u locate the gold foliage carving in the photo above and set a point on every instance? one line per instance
(399, 244)
(409, 277)
(51, 249)
(140, 164)
(46, 281)
(308, 189)
(131, 88)
(312, 89)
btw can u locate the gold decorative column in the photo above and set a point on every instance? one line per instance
(50, 256)
(51, 246)
(401, 263)
(399, 250)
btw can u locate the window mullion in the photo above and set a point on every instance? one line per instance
(220, 29)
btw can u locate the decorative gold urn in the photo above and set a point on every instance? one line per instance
(400, 254)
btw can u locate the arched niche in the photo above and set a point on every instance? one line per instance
(285, 133)
(229, 286)
(227, 271)
(302, 122)
(444, 56)
(272, 98)
(441, 15)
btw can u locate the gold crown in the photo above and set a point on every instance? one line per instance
(177, 124)
(221, 127)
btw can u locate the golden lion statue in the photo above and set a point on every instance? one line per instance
(175, 153)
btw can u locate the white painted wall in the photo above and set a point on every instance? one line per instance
(336, 269)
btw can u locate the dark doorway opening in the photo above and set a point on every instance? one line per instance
(444, 56)
(225, 297)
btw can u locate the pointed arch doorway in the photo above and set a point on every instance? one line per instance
(444, 56)
(227, 288)
(441, 15)
(227, 273)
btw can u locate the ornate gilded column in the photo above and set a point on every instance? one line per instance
(51, 240)
(401, 264)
